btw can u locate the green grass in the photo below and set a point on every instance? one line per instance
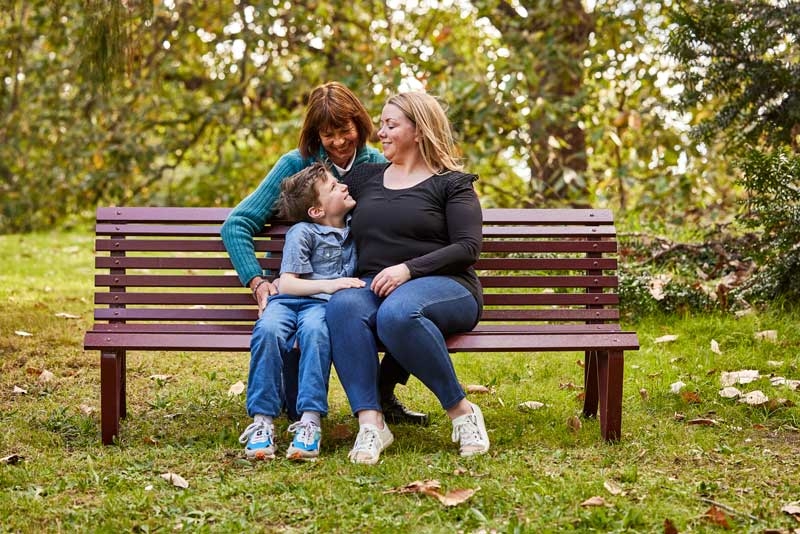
(534, 479)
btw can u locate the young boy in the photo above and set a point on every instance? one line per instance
(319, 259)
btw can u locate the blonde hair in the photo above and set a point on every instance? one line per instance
(436, 142)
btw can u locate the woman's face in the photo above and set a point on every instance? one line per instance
(398, 135)
(340, 144)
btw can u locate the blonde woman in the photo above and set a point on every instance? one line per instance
(417, 226)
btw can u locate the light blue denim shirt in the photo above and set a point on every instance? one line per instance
(318, 252)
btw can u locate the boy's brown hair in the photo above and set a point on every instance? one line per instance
(299, 193)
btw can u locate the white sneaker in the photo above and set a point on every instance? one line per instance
(260, 441)
(470, 432)
(370, 442)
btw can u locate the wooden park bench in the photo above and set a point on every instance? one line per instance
(165, 283)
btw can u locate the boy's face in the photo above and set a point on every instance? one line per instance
(334, 198)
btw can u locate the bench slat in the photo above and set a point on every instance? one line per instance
(172, 281)
(174, 245)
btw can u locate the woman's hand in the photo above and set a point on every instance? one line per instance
(263, 292)
(389, 279)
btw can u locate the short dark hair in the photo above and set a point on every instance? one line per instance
(298, 193)
(330, 107)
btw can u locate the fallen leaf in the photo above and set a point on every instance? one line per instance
(715, 347)
(612, 487)
(702, 421)
(149, 487)
(678, 416)
(692, 397)
(665, 339)
(580, 363)
(574, 423)
(12, 459)
(739, 377)
(767, 335)
(46, 376)
(594, 501)
(774, 404)
(22, 333)
(567, 385)
(754, 398)
(529, 406)
(743, 313)
(161, 378)
(19, 391)
(781, 381)
(774, 363)
(86, 409)
(729, 392)
(236, 389)
(432, 488)
(676, 387)
(669, 527)
(341, 432)
(477, 388)
(792, 508)
(717, 516)
(64, 315)
(455, 497)
(656, 285)
(644, 394)
(175, 479)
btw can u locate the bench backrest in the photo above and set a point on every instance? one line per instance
(169, 265)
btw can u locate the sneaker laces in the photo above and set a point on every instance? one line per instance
(305, 432)
(467, 432)
(252, 429)
(367, 441)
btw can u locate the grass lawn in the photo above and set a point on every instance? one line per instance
(682, 457)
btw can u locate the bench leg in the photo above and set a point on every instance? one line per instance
(110, 394)
(610, 365)
(590, 384)
(123, 385)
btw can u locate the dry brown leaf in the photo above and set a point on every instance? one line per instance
(86, 409)
(22, 333)
(715, 347)
(45, 376)
(529, 406)
(656, 285)
(612, 487)
(702, 421)
(678, 416)
(767, 335)
(774, 404)
(432, 488)
(341, 432)
(644, 394)
(175, 479)
(65, 315)
(477, 388)
(754, 398)
(236, 389)
(718, 517)
(567, 385)
(692, 397)
(665, 339)
(12, 459)
(574, 423)
(19, 391)
(594, 501)
(669, 527)
(580, 363)
(455, 497)
(580, 396)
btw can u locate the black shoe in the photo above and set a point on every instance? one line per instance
(394, 412)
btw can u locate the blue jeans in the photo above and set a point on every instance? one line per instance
(412, 323)
(286, 320)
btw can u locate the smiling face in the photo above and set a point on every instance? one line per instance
(340, 143)
(334, 202)
(398, 135)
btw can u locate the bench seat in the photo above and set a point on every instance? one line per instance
(165, 283)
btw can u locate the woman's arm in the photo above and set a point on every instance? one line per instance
(249, 217)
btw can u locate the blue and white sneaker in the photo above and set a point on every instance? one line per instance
(260, 442)
(305, 445)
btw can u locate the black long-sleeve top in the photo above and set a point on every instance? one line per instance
(434, 227)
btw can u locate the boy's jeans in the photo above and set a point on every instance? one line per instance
(285, 320)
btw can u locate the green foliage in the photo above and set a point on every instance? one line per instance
(773, 207)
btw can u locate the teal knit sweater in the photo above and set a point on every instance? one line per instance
(252, 213)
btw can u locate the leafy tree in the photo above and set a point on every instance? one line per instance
(742, 58)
